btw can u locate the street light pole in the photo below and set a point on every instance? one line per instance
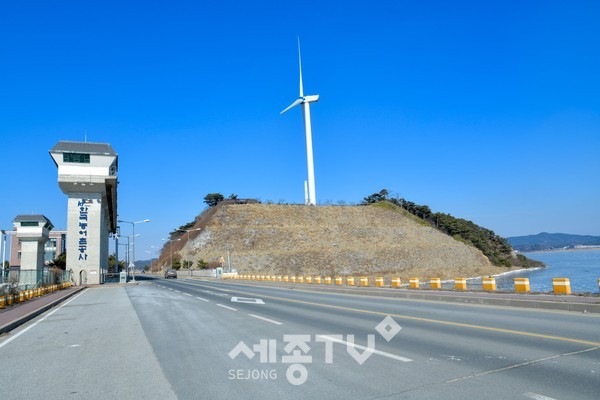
(3, 244)
(188, 246)
(133, 223)
(170, 241)
(126, 249)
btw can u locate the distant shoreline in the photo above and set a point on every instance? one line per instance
(560, 250)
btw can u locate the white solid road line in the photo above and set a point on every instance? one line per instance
(200, 298)
(536, 396)
(266, 319)
(227, 307)
(374, 351)
(10, 339)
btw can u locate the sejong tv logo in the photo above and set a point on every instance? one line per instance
(297, 349)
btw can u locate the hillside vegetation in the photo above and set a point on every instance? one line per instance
(496, 248)
(378, 239)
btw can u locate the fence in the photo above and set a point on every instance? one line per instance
(15, 281)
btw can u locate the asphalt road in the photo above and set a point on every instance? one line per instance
(195, 339)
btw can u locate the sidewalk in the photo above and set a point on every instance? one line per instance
(93, 348)
(13, 316)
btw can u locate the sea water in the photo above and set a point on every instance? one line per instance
(582, 267)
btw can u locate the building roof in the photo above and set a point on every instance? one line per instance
(34, 218)
(103, 149)
(30, 217)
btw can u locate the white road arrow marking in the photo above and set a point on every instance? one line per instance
(247, 300)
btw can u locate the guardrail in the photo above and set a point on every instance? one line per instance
(521, 285)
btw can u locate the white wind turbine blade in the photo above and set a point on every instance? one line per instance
(300, 68)
(294, 104)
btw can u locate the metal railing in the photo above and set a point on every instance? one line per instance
(15, 281)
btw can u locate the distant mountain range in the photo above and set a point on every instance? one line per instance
(140, 264)
(551, 241)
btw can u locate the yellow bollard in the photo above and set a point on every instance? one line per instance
(561, 285)
(435, 283)
(293, 279)
(522, 285)
(2, 301)
(300, 279)
(328, 280)
(396, 282)
(379, 281)
(489, 283)
(339, 280)
(9, 299)
(460, 283)
(279, 278)
(350, 281)
(253, 277)
(286, 278)
(413, 283)
(309, 279)
(364, 281)
(318, 280)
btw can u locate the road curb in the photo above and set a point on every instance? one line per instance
(9, 326)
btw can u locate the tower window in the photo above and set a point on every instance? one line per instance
(30, 223)
(76, 158)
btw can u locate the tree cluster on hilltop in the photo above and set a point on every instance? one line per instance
(496, 248)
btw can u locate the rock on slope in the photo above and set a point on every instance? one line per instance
(333, 240)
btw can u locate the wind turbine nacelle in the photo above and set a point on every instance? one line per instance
(310, 99)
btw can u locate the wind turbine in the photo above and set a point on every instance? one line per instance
(305, 102)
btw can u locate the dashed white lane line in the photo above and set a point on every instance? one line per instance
(266, 319)
(374, 351)
(178, 291)
(536, 396)
(227, 307)
(200, 298)
(187, 294)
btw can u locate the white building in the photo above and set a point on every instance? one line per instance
(87, 174)
(33, 231)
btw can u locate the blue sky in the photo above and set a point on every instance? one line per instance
(488, 111)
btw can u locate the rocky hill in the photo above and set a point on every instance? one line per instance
(327, 240)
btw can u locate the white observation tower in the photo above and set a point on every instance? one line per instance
(87, 174)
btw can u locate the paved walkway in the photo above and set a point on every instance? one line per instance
(91, 347)
(17, 314)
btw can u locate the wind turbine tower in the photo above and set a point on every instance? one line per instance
(305, 102)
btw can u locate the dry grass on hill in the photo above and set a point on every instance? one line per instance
(330, 240)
